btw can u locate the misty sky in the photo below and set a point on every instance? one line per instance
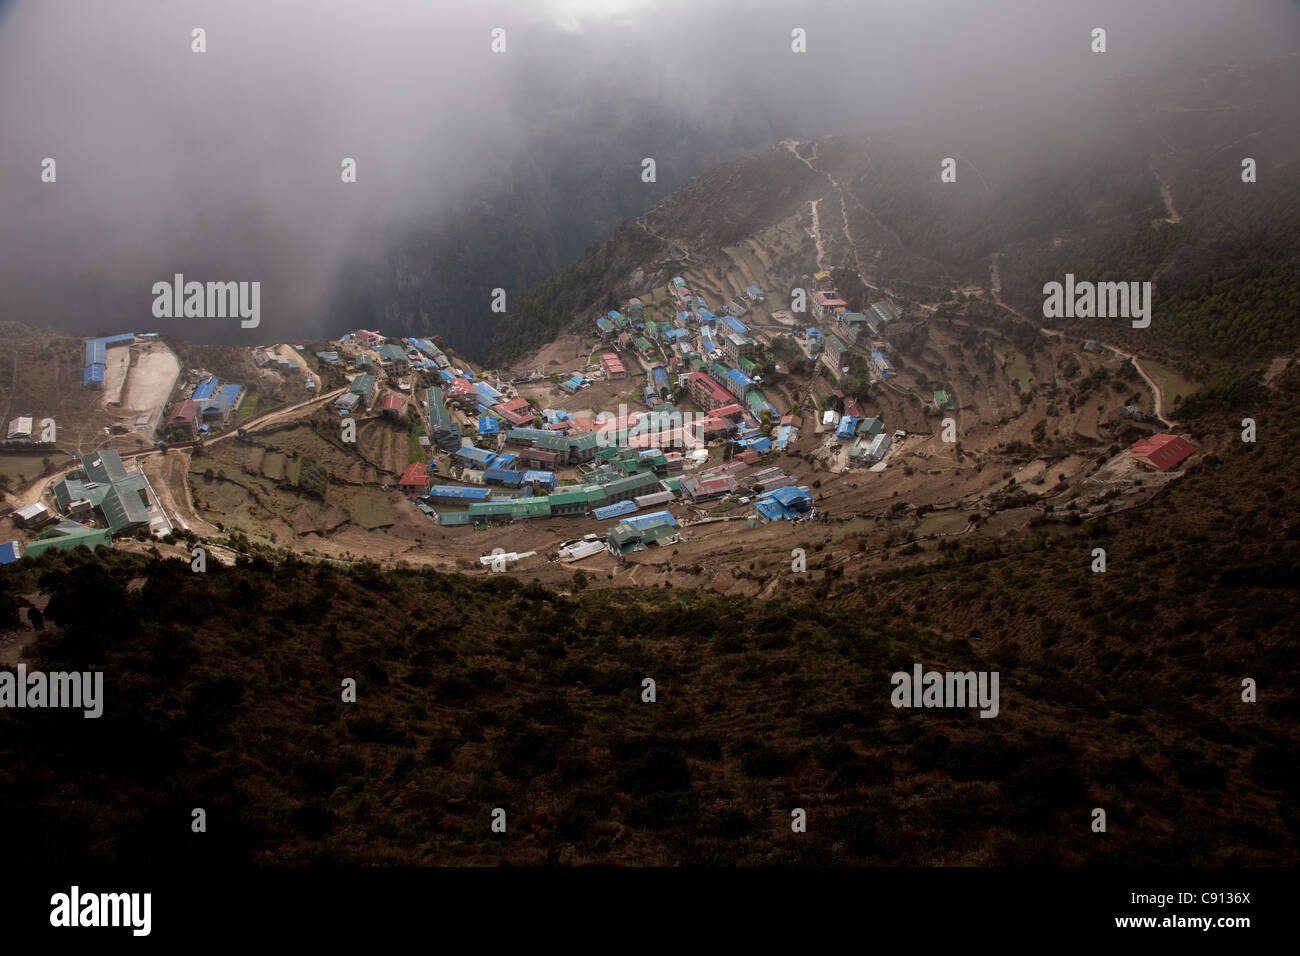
(225, 165)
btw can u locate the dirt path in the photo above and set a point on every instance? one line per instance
(164, 469)
(1167, 194)
(253, 424)
(817, 233)
(1158, 395)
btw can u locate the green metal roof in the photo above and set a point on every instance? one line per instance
(92, 538)
(553, 443)
(104, 466)
(630, 483)
(626, 537)
(439, 418)
(539, 507)
(595, 494)
(561, 498)
(123, 508)
(362, 385)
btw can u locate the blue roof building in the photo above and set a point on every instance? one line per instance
(545, 479)
(503, 476)
(615, 510)
(458, 493)
(470, 456)
(488, 426)
(784, 504)
(761, 445)
(739, 381)
(735, 324)
(653, 517)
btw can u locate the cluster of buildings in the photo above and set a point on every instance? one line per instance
(695, 343)
(841, 330)
(204, 405)
(101, 498)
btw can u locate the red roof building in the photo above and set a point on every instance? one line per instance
(706, 392)
(517, 411)
(459, 390)
(393, 403)
(415, 479)
(185, 415)
(613, 365)
(1162, 452)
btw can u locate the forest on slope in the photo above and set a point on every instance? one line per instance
(1119, 690)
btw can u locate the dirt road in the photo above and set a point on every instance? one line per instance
(1158, 395)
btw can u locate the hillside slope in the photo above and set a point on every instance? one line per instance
(1139, 182)
(1119, 690)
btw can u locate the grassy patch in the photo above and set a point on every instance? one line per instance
(1172, 382)
(369, 508)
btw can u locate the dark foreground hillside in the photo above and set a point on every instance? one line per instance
(1119, 690)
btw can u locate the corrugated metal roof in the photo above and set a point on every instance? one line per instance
(92, 538)
(615, 510)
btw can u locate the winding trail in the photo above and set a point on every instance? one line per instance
(1157, 392)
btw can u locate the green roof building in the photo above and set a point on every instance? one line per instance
(626, 538)
(870, 427)
(104, 467)
(92, 538)
(630, 486)
(124, 506)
